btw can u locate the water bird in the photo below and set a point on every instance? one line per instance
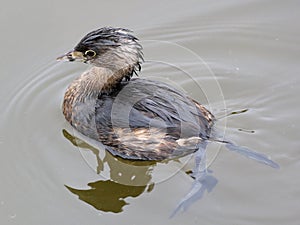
(135, 118)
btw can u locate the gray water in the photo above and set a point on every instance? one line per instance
(229, 55)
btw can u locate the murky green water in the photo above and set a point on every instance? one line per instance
(229, 55)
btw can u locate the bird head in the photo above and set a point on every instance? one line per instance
(108, 47)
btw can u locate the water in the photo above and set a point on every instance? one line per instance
(249, 53)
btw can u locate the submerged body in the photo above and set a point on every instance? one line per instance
(138, 119)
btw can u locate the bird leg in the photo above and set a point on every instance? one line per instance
(202, 181)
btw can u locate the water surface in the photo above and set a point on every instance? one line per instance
(230, 56)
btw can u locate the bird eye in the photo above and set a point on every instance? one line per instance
(90, 53)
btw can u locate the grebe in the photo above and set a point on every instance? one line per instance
(136, 119)
(139, 119)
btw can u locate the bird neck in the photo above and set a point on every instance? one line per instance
(89, 85)
(99, 80)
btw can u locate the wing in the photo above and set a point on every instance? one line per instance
(150, 120)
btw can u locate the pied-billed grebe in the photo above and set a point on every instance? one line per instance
(139, 119)
(134, 118)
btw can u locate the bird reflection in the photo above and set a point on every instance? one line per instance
(127, 179)
(109, 196)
